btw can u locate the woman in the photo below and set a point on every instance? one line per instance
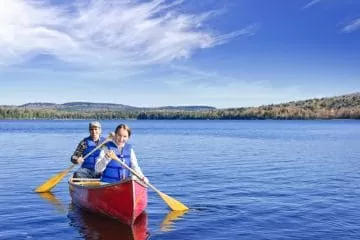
(113, 171)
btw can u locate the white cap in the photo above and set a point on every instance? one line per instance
(94, 124)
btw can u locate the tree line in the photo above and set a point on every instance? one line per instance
(340, 107)
(276, 112)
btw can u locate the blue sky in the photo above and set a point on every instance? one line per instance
(221, 53)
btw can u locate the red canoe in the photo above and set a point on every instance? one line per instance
(124, 200)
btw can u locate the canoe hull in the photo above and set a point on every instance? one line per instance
(124, 201)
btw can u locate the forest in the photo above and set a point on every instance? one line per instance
(340, 107)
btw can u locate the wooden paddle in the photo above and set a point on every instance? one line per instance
(174, 204)
(54, 180)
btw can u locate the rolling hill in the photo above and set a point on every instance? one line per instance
(338, 107)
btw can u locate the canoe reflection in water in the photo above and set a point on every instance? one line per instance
(99, 227)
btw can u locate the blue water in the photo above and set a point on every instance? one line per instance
(241, 179)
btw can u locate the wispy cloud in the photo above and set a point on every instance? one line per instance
(221, 90)
(352, 26)
(102, 33)
(313, 2)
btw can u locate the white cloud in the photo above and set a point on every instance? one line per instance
(352, 26)
(311, 3)
(101, 33)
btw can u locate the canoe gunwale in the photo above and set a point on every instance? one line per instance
(78, 183)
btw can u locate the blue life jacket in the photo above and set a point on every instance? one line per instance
(114, 171)
(90, 161)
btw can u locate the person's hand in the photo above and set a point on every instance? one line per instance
(141, 178)
(110, 154)
(80, 160)
(145, 179)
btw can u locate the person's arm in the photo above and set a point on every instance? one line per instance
(77, 156)
(135, 166)
(101, 162)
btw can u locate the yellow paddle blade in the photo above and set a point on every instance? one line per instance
(51, 182)
(174, 204)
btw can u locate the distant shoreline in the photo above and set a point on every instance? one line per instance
(164, 119)
(334, 108)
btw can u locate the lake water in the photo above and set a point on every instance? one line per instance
(241, 180)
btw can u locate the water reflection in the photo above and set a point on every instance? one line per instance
(51, 198)
(170, 218)
(96, 227)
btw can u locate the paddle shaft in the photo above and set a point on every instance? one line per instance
(136, 174)
(92, 151)
(171, 202)
(97, 147)
(53, 181)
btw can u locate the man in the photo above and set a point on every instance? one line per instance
(84, 147)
